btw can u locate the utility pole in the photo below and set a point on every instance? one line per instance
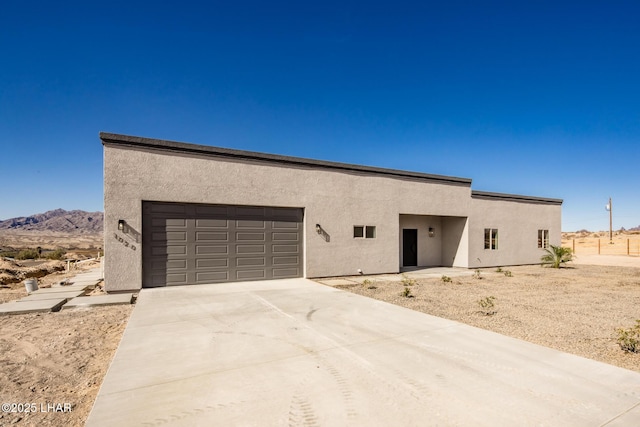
(610, 209)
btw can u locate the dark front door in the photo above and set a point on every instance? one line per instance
(409, 247)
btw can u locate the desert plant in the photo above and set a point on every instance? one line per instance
(407, 292)
(507, 273)
(556, 256)
(499, 270)
(446, 279)
(476, 274)
(487, 306)
(366, 282)
(408, 281)
(27, 254)
(629, 339)
(57, 254)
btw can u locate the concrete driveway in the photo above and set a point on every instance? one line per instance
(297, 353)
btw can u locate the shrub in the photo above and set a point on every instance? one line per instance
(487, 306)
(476, 274)
(58, 254)
(556, 256)
(27, 254)
(407, 292)
(407, 281)
(499, 270)
(629, 339)
(507, 273)
(446, 279)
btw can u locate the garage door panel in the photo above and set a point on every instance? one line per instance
(277, 237)
(282, 225)
(206, 236)
(285, 249)
(212, 263)
(285, 273)
(288, 260)
(251, 274)
(194, 244)
(250, 249)
(212, 277)
(209, 249)
(252, 262)
(256, 237)
(211, 223)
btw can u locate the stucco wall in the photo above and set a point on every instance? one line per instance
(337, 200)
(518, 224)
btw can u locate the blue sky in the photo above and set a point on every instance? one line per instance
(538, 98)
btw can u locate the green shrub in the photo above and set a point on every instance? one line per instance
(487, 306)
(58, 254)
(9, 254)
(556, 256)
(446, 279)
(499, 270)
(476, 274)
(27, 254)
(629, 339)
(508, 273)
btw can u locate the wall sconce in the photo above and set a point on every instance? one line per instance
(432, 232)
(318, 229)
(121, 224)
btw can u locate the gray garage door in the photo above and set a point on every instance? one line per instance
(188, 244)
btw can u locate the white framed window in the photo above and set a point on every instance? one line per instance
(543, 239)
(491, 238)
(364, 231)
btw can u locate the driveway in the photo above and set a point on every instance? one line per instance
(297, 353)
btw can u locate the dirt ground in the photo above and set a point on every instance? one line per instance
(575, 310)
(53, 363)
(58, 360)
(594, 243)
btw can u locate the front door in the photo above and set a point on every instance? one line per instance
(409, 247)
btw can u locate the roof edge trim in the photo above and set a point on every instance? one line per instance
(183, 147)
(514, 198)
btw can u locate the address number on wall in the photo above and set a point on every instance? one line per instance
(124, 242)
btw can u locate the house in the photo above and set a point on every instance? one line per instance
(181, 214)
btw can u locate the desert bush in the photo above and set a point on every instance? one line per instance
(507, 273)
(407, 292)
(27, 254)
(58, 254)
(9, 254)
(499, 270)
(629, 339)
(446, 279)
(408, 281)
(556, 256)
(476, 274)
(487, 306)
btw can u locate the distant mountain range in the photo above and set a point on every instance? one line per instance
(58, 220)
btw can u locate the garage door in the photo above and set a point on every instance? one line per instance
(188, 244)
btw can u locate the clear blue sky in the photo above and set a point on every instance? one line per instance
(538, 98)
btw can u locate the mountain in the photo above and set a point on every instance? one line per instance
(57, 220)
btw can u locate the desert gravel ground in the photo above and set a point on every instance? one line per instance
(575, 309)
(62, 357)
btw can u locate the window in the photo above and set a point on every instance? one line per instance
(362, 231)
(491, 238)
(543, 239)
(370, 232)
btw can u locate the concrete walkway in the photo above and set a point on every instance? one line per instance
(297, 353)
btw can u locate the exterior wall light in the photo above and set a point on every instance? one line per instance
(318, 229)
(432, 232)
(121, 224)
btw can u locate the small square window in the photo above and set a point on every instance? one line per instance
(358, 231)
(370, 231)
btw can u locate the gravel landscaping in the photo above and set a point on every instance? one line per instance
(576, 309)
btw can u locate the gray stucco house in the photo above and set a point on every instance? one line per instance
(181, 214)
